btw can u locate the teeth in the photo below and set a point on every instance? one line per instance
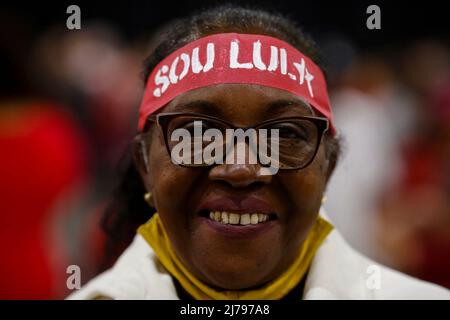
(225, 219)
(245, 219)
(236, 218)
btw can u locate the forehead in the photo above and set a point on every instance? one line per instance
(239, 102)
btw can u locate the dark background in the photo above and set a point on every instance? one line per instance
(401, 23)
(401, 20)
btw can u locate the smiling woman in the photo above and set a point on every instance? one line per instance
(212, 230)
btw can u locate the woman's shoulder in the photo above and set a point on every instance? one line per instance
(136, 275)
(340, 272)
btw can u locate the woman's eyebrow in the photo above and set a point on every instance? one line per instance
(198, 106)
(281, 106)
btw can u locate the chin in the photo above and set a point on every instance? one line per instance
(236, 280)
(236, 273)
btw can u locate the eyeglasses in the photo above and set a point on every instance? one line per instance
(297, 138)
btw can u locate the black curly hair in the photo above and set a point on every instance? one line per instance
(128, 209)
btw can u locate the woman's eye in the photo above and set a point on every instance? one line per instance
(290, 131)
(196, 124)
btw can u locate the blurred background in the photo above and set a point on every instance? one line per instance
(68, 109)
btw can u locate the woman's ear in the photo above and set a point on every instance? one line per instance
(332, 153)
(148, 197)
(140, 151)
(331, 165)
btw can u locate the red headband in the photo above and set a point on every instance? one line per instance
(236, 58)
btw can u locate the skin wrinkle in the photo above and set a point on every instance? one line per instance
(235, 263)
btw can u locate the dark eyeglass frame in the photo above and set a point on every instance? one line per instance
(162, 120)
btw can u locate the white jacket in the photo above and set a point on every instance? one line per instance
(337, 272)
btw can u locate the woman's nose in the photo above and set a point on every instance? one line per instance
(239, 175)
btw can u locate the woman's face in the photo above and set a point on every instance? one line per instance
(234, 257)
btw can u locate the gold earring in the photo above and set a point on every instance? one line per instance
(148, 197)
(324, 199)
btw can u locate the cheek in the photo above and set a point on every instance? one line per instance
(169, 183)
(305, 188)
(311, 181)
(173, 189)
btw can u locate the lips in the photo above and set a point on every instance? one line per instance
(237, 216)
(234, 204)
